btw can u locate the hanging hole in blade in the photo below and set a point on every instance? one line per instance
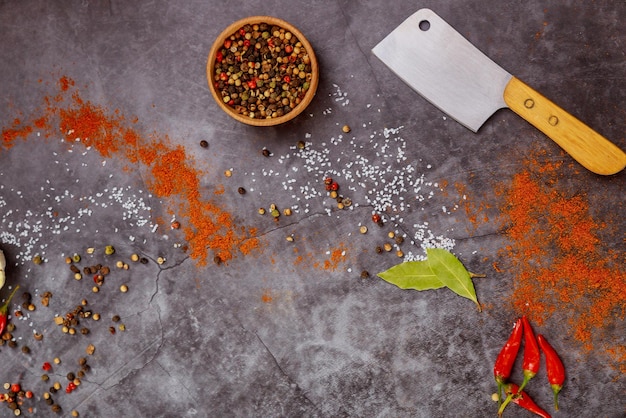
(424, 25)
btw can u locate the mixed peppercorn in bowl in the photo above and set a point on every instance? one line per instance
(262, 71)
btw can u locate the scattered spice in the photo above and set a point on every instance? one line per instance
(582, 277)
(207, 228)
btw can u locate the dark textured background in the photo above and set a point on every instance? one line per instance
(202, 341)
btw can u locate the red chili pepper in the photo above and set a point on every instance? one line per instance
(522, 399)
(554, 367)
(532, 357)
(506, 358)
(3, 311)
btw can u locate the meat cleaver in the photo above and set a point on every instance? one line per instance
(451, 73)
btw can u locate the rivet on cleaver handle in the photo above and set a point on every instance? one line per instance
(444, 67)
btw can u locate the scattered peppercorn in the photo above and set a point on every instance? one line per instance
(204, 144)
(37, 259)
(241, 190)
(266, 152)
(109, 250)
(346, 129)
(365, 274)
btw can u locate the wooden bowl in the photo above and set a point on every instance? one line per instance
(218, 47)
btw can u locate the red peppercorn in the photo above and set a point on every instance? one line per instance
(227, 43)
(242, 32)
(252, 84)
(376, 218)
(328, 181)
(29, 394)
(15, 387)
(47, 366)
(334, 186)
(270, 42)
(70, 387)
(219, 57)
(223, 76)
(246, 43)
(287, 79)
(288, 49)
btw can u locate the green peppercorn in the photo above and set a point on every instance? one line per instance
(109, 250)
(76, 258)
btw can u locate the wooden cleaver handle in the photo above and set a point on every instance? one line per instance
(585, 145)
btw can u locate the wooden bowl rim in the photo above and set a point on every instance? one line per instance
(251, 20)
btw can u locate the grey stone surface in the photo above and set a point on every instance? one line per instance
(272, 334)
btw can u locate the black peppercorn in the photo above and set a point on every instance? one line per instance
(266, 152)
(241, 190)
(115, 318)
(70, 376)
(204, 144)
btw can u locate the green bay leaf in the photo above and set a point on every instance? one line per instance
(450, 271)
(415, 275)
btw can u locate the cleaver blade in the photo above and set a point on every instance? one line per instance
(445, 68)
